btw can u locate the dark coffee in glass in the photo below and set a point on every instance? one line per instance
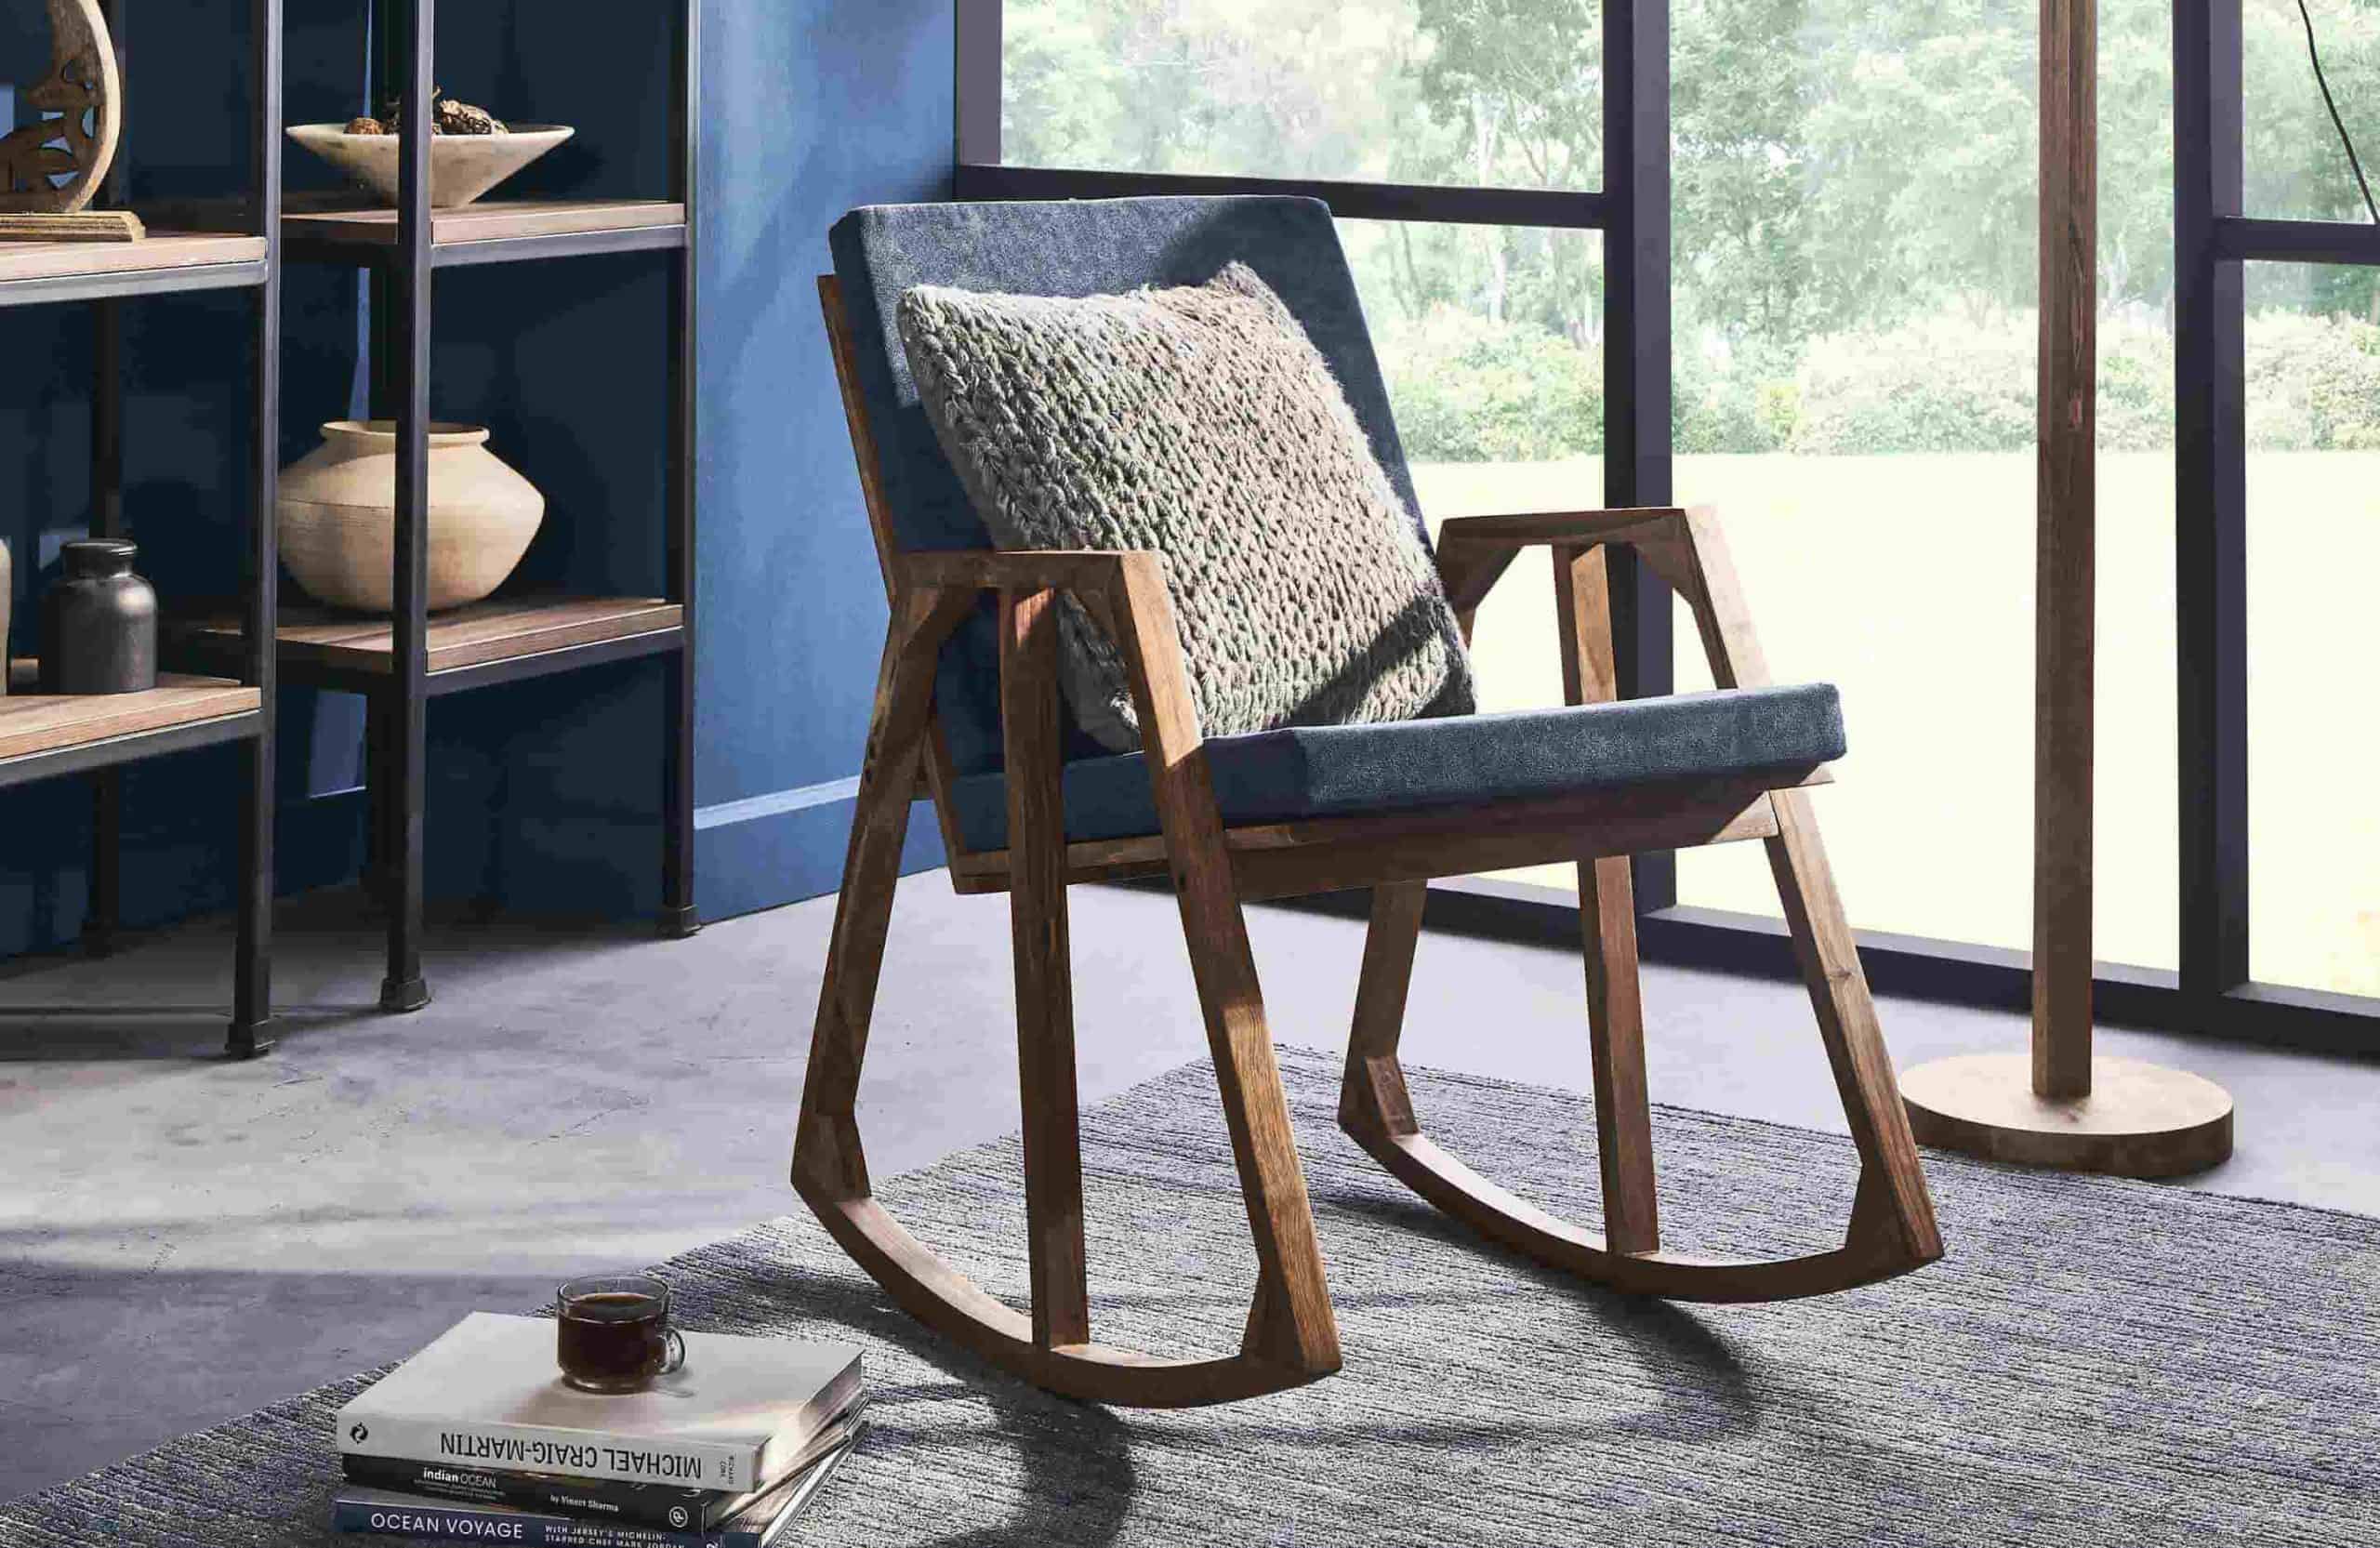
(612, 1333)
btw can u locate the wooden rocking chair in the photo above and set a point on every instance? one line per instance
(967, 703)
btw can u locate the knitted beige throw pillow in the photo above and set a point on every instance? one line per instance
(1200, 422)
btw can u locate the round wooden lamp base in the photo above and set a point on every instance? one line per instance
(2140, 1121)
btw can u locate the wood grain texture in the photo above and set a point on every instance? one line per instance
(32, 723)
(1092, 572)
(1721, 615)
(1502, 1216)
(338, 217)
(1469, 572)
(829, 1165)
(1717, 801)
(1891, 1229)
(2140, 1119)
(1045, 1025)
(1568, 528)
(1847, 1026)
(1291, 1335)
(1900, 1205)
(2059, 1114)
(2066, 549)
(49, 260)
(1300, 1335)
(935, 774)
(1281, 1347)
(501, 629)
(1474, 552)
(1492, 842)
(1373, 1092)
(947, 1301)
(89, 225)
(1608, 932)
(1331, 853)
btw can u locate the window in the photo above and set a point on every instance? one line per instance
(1850, 320)
(2313, 401)
(2296, 168)
(1855, 334)
(1384, 91)
(1491, 338)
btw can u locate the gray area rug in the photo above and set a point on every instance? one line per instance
(2096, 1362)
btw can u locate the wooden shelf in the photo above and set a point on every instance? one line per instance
(498, 231)
(475, 642)
(35, 724)
(162, 261)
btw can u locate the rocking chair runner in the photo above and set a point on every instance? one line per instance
(967, 702)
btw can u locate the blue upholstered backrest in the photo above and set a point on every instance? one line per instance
(1094, 247)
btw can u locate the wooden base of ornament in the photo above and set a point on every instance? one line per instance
(90, 225)
(2140, 1119)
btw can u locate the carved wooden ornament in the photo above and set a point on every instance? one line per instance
(85, 89)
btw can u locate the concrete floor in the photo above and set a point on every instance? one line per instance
(182, 1238)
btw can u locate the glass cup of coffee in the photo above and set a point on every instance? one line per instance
(612, 1332)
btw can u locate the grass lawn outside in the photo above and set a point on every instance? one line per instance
(1908, 581)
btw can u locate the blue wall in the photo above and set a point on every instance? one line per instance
(813, 107)
(543, 796)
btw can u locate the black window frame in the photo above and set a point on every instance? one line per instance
(2212, 993)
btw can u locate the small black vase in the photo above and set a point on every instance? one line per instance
(98, 622)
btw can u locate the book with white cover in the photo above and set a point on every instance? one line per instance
(487, 1393)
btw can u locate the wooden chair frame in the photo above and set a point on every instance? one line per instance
(1291, 1336)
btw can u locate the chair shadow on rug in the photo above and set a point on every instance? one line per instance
(967, 711)
(1078, 1458)
(1705, 1385)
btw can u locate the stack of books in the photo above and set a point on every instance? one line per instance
(477, 1438)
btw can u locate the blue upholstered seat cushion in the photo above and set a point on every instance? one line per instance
(1459, 760)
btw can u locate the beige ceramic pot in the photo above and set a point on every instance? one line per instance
(461, 166)
(338, 511)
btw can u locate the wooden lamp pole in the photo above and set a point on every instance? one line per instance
(2061, 1107)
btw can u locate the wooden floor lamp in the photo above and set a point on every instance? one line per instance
(2061, 1107)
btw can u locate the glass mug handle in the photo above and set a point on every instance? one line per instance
(673, 1355)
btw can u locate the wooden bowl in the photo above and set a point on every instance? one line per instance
(462, 167)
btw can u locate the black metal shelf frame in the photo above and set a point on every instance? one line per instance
(2212, 994)
(250, 1030)
(2213, 241)
(405, 32)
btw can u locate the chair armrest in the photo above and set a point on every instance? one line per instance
(1474, 552)
(1533, 529)
(1125, 591)
(1122, 588)
(1085, 573)
(1682, 545)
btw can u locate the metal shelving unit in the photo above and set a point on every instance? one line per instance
(47, 738)
(399, 664)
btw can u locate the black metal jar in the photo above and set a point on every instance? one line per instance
(98, 622)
